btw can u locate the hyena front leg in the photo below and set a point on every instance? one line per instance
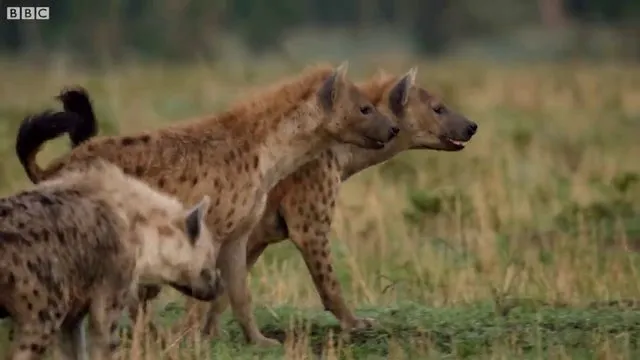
(309, 225)
(104, 313)
(140, 305)
(232, 262)
(212, 326)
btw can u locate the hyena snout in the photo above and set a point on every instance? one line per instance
(470, 130)
(462, 129)
(379, 130)
(207, 287)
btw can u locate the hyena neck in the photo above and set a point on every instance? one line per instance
(149, 269)
(353, 159)
(296, 140)
(145, 211)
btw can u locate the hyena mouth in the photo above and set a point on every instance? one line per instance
(375, 144)
(458, 144)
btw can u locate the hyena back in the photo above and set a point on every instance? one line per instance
(80, 244)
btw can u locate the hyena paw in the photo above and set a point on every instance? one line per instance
(358, 324)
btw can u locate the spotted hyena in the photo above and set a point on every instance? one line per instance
(80, 243)
(236, 156)
(301, 206)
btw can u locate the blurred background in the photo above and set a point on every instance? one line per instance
(112, 30)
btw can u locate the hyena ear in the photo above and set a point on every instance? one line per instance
(333, 86)
(399, 94)
(194, 220)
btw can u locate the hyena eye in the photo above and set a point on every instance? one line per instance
(438, 109)
(366, 110)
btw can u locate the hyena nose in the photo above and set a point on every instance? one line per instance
(471, 129)
(393, 132)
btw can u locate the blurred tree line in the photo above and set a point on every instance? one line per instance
(175, 29)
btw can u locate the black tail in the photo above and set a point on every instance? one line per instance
(76, 100)
(37, 129)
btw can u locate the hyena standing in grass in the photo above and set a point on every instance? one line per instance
(81, 244)
(301, 206)
(236, 156)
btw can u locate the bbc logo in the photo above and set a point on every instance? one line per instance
(27, 13)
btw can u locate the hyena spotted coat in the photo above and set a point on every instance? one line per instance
(81, 244)
(236, 157)
(301, 206)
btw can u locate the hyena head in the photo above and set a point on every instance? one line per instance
(351, 117)
(424, 119)
(186, 252)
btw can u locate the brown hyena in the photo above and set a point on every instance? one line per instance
(81, 244)
(238, 156)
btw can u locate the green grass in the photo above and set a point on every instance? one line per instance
(520, 328)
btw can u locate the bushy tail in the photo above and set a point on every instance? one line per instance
(37, 129)
(76, 100)
(78, 120)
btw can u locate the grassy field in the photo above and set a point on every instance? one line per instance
(524, 245)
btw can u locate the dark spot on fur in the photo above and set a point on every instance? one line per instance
(61, 238)
(45, 200)
(43, 316)
(31, 266)
(165, 230)
(139, 170)
(256, 160)
(194, 181)
(145, 138)
(161, 183)
(182, 178)
(127, 141)
(38, 349)
(305, 227)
